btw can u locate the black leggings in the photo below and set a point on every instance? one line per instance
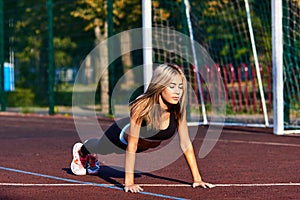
(109, 142)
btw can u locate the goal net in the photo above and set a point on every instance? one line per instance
(291, 61)
(238, 37)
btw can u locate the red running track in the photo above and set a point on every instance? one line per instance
(246, 163)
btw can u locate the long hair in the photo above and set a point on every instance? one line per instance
(151, 111)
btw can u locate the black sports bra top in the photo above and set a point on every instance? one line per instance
(160, 134)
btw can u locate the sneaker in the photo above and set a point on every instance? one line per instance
(78, 162)
(92, 164)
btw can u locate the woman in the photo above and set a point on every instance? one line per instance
(154, 117)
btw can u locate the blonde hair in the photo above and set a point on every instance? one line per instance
(145, 107)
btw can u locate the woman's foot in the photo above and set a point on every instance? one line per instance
(81, 165)
(78, 162)
(92, 164)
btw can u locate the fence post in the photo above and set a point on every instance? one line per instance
(232, 87)
(254, 89)
(111, 67)
(246, 87)
(50, 57)
(212, 87)
(2, 92)
(219, 85)
(208, 81)
(269, 73)
(240, 89)
(225, 82)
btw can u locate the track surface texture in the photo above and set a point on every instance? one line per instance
(246, 163)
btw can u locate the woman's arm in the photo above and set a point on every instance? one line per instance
(132, 141)
(188, 150)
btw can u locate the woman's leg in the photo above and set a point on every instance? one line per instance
(108, 143)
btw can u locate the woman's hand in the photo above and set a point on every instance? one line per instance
(203, 184)
(133, 188)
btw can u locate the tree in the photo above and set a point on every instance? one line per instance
(95, 15)
(28, 38)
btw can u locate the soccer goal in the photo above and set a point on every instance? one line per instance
(255, 49)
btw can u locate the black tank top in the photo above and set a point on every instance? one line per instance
(159, 135)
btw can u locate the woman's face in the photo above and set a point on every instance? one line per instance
(173, 91)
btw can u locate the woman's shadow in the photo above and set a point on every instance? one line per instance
(109, 174)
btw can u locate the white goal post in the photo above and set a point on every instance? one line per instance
(147, 41)
(277, 58)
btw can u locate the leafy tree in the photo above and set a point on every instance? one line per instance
(126, 15)
(28, 39)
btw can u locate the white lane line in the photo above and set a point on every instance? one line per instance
(258, 184)
(150, 184)
(262, 143)
(225, 185)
